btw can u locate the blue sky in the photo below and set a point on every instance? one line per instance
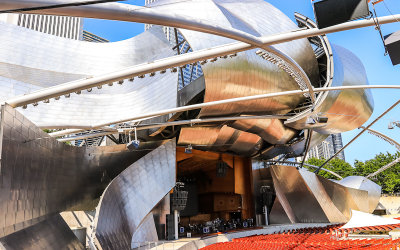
(365, 43)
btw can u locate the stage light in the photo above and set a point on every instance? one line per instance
(188, 149)
(392, 43)
(133, 145)
(332, 12)
(322, 119)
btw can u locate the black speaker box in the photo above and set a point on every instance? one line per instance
(332, 12)
(392, 43)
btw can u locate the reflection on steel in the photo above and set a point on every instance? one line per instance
(384, 168)
(41, 177)
(98, 106)
(348, 71)
(51, 176)
(306, 197)
(223, 139)
(146, 232)
(362, 183)
(132, 195)
(52, 233)
(238, 119)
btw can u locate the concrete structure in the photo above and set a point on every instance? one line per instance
(62, 26)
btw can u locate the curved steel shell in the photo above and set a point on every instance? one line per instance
(41, 176)
(348, 109)
(52, 233)
(55, 60)
(223, 139)
(362, 183)
(132, 195)
(306, 197)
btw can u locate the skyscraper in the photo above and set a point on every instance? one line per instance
(327, 148)
(68, 27)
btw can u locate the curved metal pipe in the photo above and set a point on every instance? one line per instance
(226, 101)
(131, 13)
(384, 137)
(384, 168)
(293, 163)
(359, 134)
(110, 131)
(175, 61)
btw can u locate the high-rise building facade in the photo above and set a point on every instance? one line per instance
(188, 73)
(327, 148)
(68, 27)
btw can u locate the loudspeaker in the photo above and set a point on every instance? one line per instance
(392, 43)
(332, 12)
(170, 227)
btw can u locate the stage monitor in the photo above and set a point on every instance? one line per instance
(392, 43)
(332, 12)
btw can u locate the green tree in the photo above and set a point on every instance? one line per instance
(389, 179)
(336, 165)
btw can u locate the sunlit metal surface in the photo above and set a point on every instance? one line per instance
(46, 65)
(306, 197)
(223, 139)
(348, 109)
(52, 233)
(41, 176)
(362, 183)
(132, 195)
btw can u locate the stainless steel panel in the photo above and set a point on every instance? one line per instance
(132, 195)
(306, 197)
(31, 60)
(146, 232)
(50, 234)
(348, 109)
(222, 139)
(362, 183)
(40, 176)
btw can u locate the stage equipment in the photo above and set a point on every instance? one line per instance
(332, 12)
(133, 144)
(392, 43)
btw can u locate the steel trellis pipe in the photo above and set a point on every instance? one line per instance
(359, 134)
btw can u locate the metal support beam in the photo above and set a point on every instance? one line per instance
(359, 134)
(293, 163)
(137, 14)
(210, 104)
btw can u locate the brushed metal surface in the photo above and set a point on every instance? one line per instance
(306, 197)
(362, 183)
(38, 60)
(221, 139)
(52, 233)
(347, 109)
(41, 176)
(132, 195)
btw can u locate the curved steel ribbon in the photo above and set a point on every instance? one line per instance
(131, 196)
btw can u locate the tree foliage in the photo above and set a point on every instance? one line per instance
(389, 179)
